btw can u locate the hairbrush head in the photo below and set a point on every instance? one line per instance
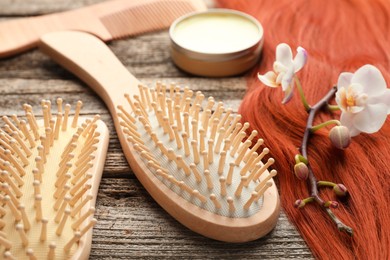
(50, 173)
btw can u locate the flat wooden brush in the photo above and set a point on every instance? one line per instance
(189, 152)
(50, 171)
(107, 20)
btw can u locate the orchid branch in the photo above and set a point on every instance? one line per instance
(312, 181)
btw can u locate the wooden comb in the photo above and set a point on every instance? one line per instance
(50, 170)
(107, 20)
(191, 160)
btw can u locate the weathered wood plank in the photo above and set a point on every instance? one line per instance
(132, 225)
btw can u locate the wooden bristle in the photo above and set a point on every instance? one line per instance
(46, 178)
(198, 149)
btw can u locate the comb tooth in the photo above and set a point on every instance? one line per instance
(26, 133)
(187, 105)
(128, 117)
(259, 142)
(196, 100)
(221, 134)
(82, 203)
(78, 195)
(26, 222)
(273, 173)
(61, 210)
(221, 162)
(43, 235)
(62, 170)
(61, 226)
(64, 126)
(240, 156)
(263, 189)
(22, 234)
(24, 147)
(76, 237)
(52, 251)
(142, 94)
(214, 199)
(177, 98)
(263, 168)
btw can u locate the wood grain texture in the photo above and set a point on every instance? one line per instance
(131, 224)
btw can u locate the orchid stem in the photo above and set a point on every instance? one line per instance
(319, 126)
(301, 93)
(325, 183)
(333, 107)
(312, 181)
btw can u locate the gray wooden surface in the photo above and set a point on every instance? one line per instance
(131, 224)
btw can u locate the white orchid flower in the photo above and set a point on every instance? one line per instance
(364, 100)
(285, 68)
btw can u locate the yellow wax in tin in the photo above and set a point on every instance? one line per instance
(216, 33)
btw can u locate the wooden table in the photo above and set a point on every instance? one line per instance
(130, 223)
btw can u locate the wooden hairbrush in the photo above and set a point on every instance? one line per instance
(190, 159)
(50, 170)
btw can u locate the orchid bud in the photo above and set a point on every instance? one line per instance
(340, 136)
(332, 204)
(301, 171)
(299, 204)
(340, 190)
